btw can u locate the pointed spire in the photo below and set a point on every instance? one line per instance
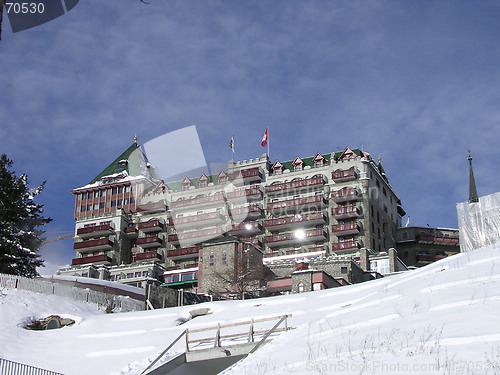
(473, 198)
(135, 139)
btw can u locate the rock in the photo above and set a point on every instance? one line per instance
(199, 312)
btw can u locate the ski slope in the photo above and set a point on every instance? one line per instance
(440, 319)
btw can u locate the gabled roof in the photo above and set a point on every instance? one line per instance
(131, 166)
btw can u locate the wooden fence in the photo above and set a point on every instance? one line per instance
(103, 300)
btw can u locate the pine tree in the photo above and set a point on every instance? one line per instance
(20, 240)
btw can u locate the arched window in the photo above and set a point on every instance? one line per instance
(211, 259)
(224, 258)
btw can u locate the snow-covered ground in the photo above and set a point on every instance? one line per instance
(440, 319)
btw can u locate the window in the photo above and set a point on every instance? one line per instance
(103, 193)
(96, 206)
(137, 274)
(297, 167)
(125, 201)
(211, 259)
(343, 270)
(384, 191)
(113, 203)
(120, 190)
(130, 275)
(89, 207)
(84, 196)
(114, 190)
(224, 258)
(119, 202)
(145, 273)
(132, 200)
(127, 189)
(82, 208)
(405, 235)
(187, 276)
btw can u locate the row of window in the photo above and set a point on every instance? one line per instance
(187, 276)
(102, 193)
(129, 275)
(102, 205)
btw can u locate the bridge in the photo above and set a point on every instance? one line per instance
(207, 354)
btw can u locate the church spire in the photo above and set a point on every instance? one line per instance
(473, 198)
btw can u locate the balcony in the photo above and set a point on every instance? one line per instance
(246, 176)
(95, 231)
(153, 225)
(195, 236)
(345, 246)
(308, 184)
(95, 259)
(316, 202)
(438, 240)
(429, 258)
(208, 219)
(152, 207)
(314, 218)
(151, 241)
(247, 228)
(284, 239)
(210, 200)
(184, 253)
(101, 244)
(345, 229)
(345, 195)
(345, 212)
(131, 232)
(246, 212)
(341, 175)
(244, 195)
(147, 255)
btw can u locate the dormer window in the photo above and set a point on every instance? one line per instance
(186, 183)
(122, 164)
(277, 167)
(203, 181)
(298, 164)
(318, 160)
(222, 178)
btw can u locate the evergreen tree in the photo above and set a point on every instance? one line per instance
(20, 240)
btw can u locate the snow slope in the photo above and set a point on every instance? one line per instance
(440, 319)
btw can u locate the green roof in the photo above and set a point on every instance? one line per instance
(130, 167)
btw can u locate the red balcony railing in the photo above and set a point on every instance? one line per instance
(147, 255)
(185, 252)
(345, 212)
(200, 201)
(344, 195)
(131, 231)
(291, 237)
(96, 230)
(442, 240)
(305, 184)
(248, 227)
(244, 194)
(313, 218)
(152, 206)
(100, 259)
(151, 241)
(294, 204)
(345, 229)
(154, 225)
(429, 258)
(202, 219)
(344, 174)
(195, 235)
(100, 244)
(249, 211)
(346, 245)
(246, 175)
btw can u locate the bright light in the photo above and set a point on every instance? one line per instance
(248, 226)
(300, 234)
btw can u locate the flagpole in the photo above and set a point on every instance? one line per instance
(268, 141)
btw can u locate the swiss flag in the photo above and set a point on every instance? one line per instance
(265, 138)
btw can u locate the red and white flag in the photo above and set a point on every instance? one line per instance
(265, 138)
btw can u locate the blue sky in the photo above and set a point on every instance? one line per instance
(416, 82)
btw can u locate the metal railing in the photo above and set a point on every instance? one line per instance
(14, 368)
